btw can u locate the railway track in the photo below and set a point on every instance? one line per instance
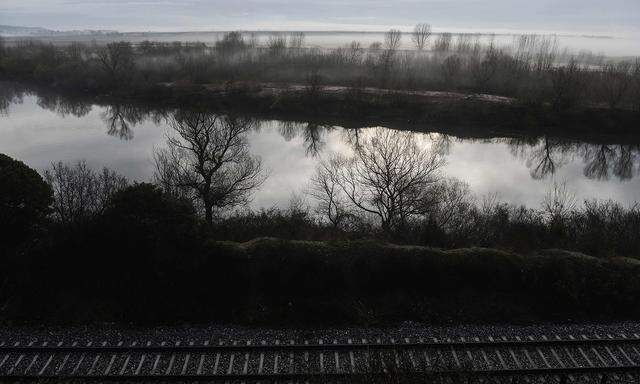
(580, 358)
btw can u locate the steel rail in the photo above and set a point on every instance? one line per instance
(559, 357)
(237, 346)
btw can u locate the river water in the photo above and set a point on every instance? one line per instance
(38, 131)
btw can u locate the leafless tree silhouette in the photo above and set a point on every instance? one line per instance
(390, 177)
(80, 192)
(558, 203)
(392, 40)
(207, 159)
(117, 60)
(326, 190)
(296, 40)
(420, 35)
(615, 82)
(443, 43)
(567, 85)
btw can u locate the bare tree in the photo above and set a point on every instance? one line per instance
(443, 43)
(464, 43)
(615, 82)
(452, 206)
(277, 44)
(483, 70)
(390, 177)
(558, 202)
(117, 60)
(296, 40)
(567, 84)
(392, 40)
(386, 59)
(207, 159)
(451, 68)
(79, 192)
(326, 190)
(420, 35)
(354, 52)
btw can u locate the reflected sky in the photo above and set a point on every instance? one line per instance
(39, 131)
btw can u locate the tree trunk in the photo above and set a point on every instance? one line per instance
(208, 213)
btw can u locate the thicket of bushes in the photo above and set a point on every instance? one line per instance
(144, 256)
(533, 70)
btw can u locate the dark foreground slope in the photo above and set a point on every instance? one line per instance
(277, 282)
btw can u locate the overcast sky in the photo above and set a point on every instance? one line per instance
(610, 17)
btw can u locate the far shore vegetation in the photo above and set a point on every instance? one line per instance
(534, 80)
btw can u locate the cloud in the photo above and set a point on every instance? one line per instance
(580, 16)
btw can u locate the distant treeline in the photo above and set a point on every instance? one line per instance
(534, 70)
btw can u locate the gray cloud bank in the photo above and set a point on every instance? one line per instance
(612, 17)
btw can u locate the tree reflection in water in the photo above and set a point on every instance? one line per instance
(311, 133)
(120, 118)
(10, 93)
(545, 156)
(64, 106)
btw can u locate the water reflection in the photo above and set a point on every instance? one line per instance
(64, 106)
(546, 155)
(310, 132)
(518, 168)
(10, 93)
(120, 120)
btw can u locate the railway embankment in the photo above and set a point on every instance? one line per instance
(271, 281)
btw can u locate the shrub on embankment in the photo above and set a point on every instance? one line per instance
(279, 282)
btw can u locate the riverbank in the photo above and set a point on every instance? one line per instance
(453, 113)
(375, 106)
